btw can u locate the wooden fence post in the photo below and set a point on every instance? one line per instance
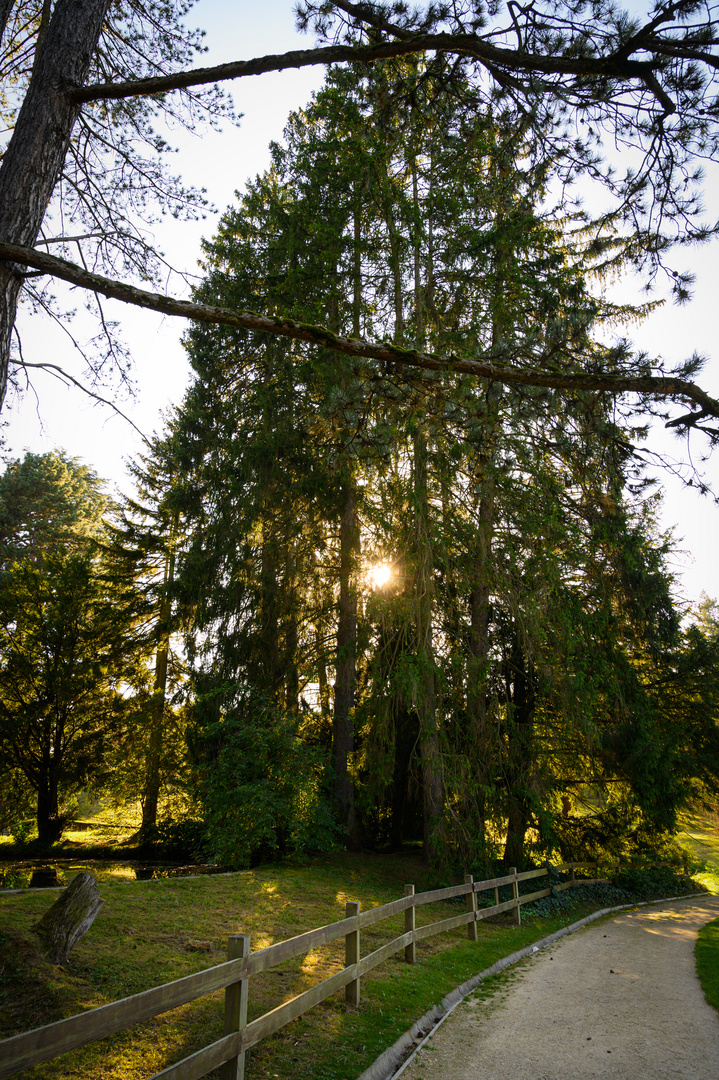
(471, 900)
(496, 896)
(515, 896)
(352, 953)
(410, 951)
(574, 880)
(238, 947)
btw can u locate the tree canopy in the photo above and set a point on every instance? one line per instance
(400, 356)
(520, 682)
(68, 634)
(86, 83)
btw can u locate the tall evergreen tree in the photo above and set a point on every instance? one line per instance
(432, 221)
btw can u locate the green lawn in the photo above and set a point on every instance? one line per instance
(707, 954)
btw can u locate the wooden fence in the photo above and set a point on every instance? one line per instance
(42, 1044)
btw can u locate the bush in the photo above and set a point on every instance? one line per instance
(259, 787)
(629, 887)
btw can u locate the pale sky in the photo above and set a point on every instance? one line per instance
(63, 418)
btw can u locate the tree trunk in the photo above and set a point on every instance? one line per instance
(266, 660)
(478, 667)
(5, 9)
(478, 664)
(343, 720)
(36, 152)
(267, 656)
(153, 756)
(520, 754)
(357, 262)
(426, 703)
(432, 793)
(71, 916)
(323, 684)
(291, 643)
(406, 739)
(49, 825)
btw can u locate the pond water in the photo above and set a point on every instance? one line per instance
(39, 874)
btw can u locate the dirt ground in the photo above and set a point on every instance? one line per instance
(619, 1000)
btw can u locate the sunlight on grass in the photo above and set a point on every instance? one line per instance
(709, 879)
(312, 961)
(699, 834)
(148, 935)
(115, 873)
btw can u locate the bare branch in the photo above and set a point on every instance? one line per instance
(60, 373)
(464, 44)
(655, 386)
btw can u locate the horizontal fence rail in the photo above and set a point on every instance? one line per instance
(44, 1043)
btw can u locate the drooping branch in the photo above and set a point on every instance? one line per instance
(656, 386)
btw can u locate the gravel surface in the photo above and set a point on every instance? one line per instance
(619, 1000)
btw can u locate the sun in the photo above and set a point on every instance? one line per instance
(380, 574)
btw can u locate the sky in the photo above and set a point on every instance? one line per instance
(52, 416)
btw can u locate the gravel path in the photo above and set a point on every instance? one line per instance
(619, 1000)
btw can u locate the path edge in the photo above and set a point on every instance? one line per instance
(396, 1058)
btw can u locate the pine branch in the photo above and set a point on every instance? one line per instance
(612, 67)
(655, 386)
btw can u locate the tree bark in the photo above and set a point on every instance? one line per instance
(343, 719)
(578, 75)
(520, 752)
(49, 825)
(478, 660)
(432, 787)
(323, 684)
(426, 704)
(406, 740)
(71, 916)
(536, 369)
(5, 9)
(36, 152)
(153, 757)
(485, 486)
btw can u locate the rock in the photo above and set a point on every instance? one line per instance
(71, 916)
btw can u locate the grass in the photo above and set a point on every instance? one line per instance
(152, 932)
(699, 833)
(156, 931)
(706, 951)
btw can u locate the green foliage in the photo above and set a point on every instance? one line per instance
(48, 502)
(16, 804)
(630, 887)
(522, 684)
(68, 636)
(706, 951)
(656, 881)
(260, 788)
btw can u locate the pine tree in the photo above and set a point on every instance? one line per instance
(461, 698)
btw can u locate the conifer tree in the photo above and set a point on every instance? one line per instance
(457, 689)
